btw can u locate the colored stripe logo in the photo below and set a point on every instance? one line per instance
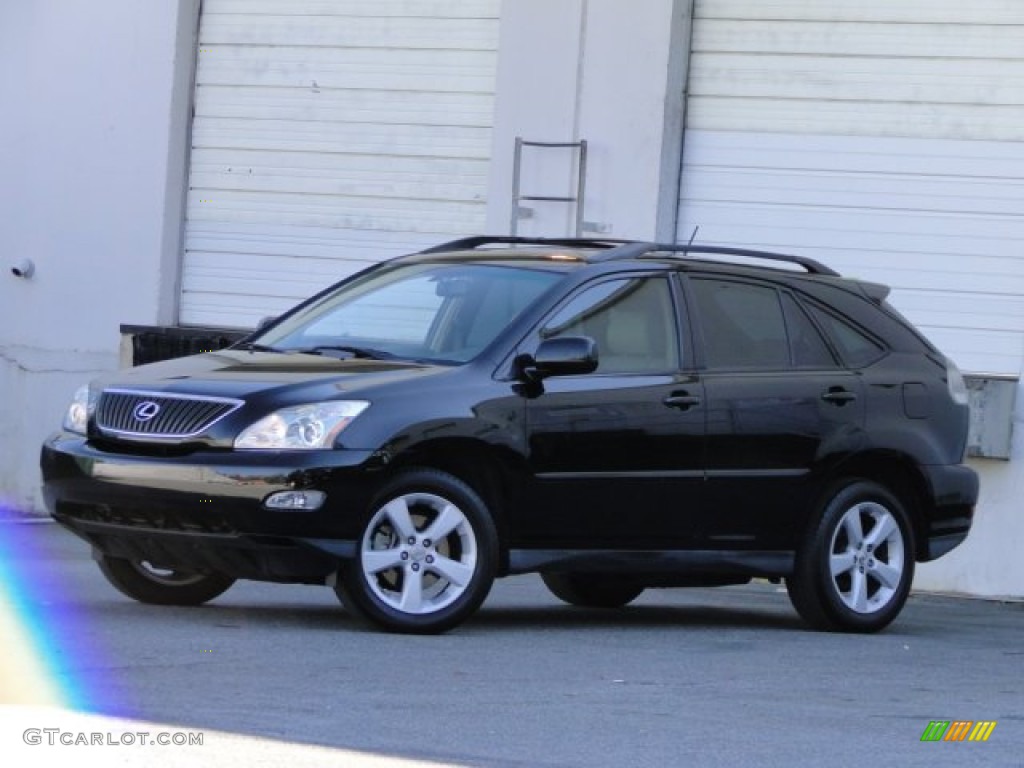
(958, 730)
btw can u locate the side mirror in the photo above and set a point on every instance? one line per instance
(562, 356)
(265, 321)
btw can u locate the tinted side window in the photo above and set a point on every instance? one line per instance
(808, 348)
(631, 320)
(857, 348)
(743, 324)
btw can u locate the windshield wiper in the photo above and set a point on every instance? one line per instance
(366, 353)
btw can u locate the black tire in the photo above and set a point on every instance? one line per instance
(592, 590)
(427, 555)
(855, 566)
(140, 581)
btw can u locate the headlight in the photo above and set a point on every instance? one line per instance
(302, 427)
(82, 406)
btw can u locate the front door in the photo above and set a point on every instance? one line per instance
(616, 456)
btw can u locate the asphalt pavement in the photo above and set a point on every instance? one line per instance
(715, 677)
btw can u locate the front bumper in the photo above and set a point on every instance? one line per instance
(204, 510)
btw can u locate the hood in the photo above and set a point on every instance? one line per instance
(239, 374)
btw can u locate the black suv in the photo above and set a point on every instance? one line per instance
(613, 415)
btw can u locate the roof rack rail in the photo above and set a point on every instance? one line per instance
(640, 250)
(470, 243)
(618, 250)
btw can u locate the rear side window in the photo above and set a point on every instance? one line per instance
(856, 347)
(743, 324)
(757, 326)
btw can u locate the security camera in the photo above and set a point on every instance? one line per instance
(24, 269)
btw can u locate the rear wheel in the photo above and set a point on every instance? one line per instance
(427, 556)
(855, 567)
(142, 581)
(592, 590)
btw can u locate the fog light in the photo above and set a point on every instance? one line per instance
(295, 500)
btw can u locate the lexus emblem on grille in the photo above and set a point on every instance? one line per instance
(146, 411)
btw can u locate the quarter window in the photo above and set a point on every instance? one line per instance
(857, 348)
(806, 343)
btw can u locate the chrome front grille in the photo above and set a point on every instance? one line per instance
(158, 415)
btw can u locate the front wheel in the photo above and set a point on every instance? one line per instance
(855, 567)
(427, 556)
(592, 590)
(142, 581)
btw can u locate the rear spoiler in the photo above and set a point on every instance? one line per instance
(874, 291)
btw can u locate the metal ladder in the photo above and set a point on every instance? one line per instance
(580, 147)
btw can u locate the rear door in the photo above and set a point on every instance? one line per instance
(779, 406)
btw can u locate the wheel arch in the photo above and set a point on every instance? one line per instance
(897, 473)
(478, 464)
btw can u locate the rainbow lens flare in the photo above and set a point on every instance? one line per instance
(47, 659)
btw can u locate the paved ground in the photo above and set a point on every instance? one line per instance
(684, 677)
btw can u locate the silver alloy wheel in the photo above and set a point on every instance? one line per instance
(419, 553)
(167, 576)
(867, 557)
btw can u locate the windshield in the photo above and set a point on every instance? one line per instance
(442, 312)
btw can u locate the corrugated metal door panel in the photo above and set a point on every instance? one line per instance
(979, 350)
(992, 313)
(882, 138)
(380, 8)
(936, 158)
(328, 136)
(323, 136)
(310, 209)
(930, 193)
(257, 65)
(287, 263)
(972, 82)
(872, 11)
(392, 31)
(857, 119)
(765, 35)
(918, 77)
(948, 69)
(246, 101)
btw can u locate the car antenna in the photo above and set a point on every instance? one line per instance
(692, 238)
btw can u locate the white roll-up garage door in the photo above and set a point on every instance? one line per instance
(329, 134)
(886, 139)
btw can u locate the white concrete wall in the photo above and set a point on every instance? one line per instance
(92, 157)
(988, 564)
(602, 70)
